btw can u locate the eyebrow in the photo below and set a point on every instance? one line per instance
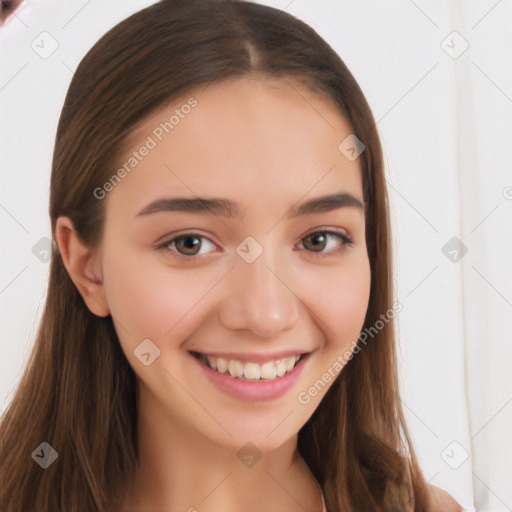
(228, 208)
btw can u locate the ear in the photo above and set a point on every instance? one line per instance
(83, 266)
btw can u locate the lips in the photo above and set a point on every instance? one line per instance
(249, 390)
(254, 357)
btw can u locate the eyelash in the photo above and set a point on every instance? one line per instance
(347, 241)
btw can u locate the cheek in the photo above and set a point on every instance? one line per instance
(341, 301)
(149, 299)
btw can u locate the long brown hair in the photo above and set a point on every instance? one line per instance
(78, 393)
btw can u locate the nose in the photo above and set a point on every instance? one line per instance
(259, 299)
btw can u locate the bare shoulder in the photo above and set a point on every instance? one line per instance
(443, 501)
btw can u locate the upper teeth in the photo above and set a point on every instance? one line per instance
(251, 371)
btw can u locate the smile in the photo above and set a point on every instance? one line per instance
(248, 380)
(250, 370)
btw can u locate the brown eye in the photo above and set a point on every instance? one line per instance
(189, 244)
(317, 242)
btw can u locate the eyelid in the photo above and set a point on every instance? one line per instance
(334, 231)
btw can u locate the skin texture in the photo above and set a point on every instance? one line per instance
(267, 145)
(443, 501)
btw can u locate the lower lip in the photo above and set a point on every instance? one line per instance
(253, 391)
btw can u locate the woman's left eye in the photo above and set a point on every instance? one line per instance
(190, 244)
(320, 238)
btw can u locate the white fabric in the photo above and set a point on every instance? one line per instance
(446, 126)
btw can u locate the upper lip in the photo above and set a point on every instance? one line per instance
(256, 357)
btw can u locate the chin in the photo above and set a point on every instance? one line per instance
(262, 438)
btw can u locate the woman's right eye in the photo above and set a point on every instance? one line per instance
(189, 243)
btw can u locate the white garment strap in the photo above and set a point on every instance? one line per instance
(324, 509)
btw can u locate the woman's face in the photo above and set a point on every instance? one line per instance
(256, 278)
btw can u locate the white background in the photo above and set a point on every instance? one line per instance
(445, 119)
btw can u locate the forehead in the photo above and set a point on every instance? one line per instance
(248, 137)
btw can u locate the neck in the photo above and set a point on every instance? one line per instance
(180, 469)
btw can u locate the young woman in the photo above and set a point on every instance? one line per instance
(221, 239)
